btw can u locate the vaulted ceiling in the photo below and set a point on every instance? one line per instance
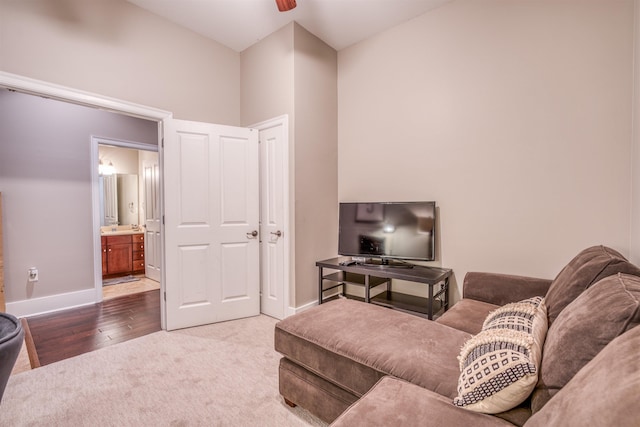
(240, 23)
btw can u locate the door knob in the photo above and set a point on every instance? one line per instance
(277, 233)
(254, 233)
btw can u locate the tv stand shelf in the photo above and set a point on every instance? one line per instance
(372, 276)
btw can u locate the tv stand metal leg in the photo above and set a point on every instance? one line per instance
(430, 304)
(446, 294)
(367, 290)
(320, 285)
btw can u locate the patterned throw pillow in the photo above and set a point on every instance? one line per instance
(499, 366)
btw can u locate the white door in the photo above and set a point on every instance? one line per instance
(211, 199)
(152, 242)
(274, 236)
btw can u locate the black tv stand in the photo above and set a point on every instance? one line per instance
(385, 263)
(336, 274)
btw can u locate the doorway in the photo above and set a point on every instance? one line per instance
(129, 212)
(77, 97)
(47, 171)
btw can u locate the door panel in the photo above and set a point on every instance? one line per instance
(192, 260)
(194, 181)
(235, 178)
(273, 221)
(152, 245)
(234, 283)
(211, 209)
(271, 290)
(239, 207)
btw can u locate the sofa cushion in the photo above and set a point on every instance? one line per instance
(588, 267)
(393, 402)
(603, 312)
(501, 289)
(499, 366)
(603, 393)
(467, 315)
(354, 344)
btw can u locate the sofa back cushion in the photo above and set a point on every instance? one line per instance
(603, 393)
(600, 314)
(588, 267)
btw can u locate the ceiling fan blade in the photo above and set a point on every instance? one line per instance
(285, 5)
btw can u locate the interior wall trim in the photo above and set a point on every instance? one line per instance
(76, 96)
(293, 310)
(47, 304)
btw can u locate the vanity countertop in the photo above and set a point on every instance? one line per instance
(120, 230)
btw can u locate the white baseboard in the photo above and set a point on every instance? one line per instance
(294, 310)
(32, 307)
(36, 306)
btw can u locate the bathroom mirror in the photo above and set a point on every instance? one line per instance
(119, 202)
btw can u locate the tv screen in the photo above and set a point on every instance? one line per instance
(398, 230)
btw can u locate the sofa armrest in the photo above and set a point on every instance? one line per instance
(501, 289)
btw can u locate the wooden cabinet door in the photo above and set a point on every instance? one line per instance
(119, 258)
(119, 254)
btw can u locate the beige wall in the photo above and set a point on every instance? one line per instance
(266, 73)
(316, 156)
(124, 160)
(266, 70)
(293, 72)
(513, 115)
(116, 49)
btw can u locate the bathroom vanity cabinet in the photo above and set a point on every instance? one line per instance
(122, 254)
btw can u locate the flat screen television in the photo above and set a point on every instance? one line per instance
(383, 231)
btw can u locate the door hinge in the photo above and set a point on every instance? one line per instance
(165, 296)
(163, 142)
(162, 219)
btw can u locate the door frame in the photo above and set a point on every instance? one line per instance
(95, 196)
(63, 93)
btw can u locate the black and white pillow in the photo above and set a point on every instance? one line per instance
(499, 366)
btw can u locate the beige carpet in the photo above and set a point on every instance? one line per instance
(217, 375)
(22, 363)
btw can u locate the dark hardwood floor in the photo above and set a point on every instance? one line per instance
(68, 333)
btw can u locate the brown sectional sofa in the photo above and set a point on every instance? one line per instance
(353, 363)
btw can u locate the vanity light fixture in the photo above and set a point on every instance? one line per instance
(389, 228)
(106, 169)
